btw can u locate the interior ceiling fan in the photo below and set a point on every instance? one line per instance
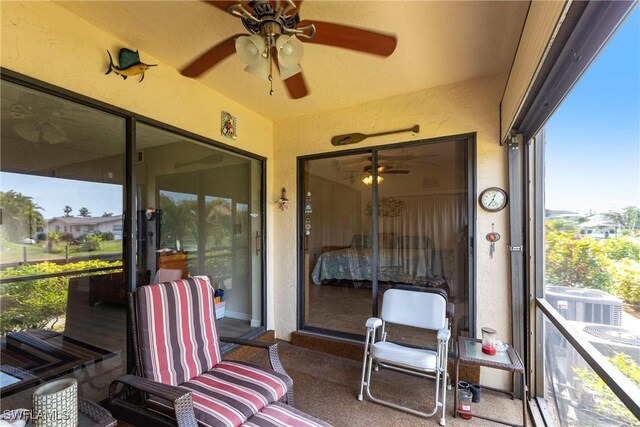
(276, 36)
(37, 119)
(401, 161)
(382, 170)
(386, 170)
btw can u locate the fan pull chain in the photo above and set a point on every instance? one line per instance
(270, 82)
(271, 77)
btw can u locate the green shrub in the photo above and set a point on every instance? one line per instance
(606, 402)
(626, 278)
(576, 262)
(34, 304)
(621, 248)
(106, 236)
(66, 237)
(91, 243)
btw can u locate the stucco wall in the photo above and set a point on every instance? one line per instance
(467, 107)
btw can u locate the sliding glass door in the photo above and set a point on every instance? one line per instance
(63, 290)
(422, 223)
(200, 214)
(416, 198)
(70, 203)
(337, 249)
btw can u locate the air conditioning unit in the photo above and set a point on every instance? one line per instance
(585, 305)
(609, 340)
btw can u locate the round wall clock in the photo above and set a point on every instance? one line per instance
(493, 199)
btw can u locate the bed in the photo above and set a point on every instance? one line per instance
(402, 259)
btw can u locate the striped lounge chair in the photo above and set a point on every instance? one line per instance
(181, 377)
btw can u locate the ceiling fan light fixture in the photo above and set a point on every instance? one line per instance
(260, 70)
(40, 132)
(52, 134)
(368, 180)
(290, 51)
(253, 52)
(286, 72)
(251, 49)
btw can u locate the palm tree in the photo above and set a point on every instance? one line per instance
(84, 212)
(218, 214)
(178, 220)
(20, 214)
(67, 210)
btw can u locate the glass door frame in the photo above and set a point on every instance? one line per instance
(129, 185)
(471, 165)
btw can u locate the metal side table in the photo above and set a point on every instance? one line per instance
(470, 353)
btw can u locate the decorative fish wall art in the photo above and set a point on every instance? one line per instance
(130, 64)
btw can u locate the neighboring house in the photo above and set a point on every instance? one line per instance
(78, 226)
(599, 227)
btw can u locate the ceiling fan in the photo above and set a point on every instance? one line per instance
(37, 119)
(368, 176)
(386, 170)
(277, 34)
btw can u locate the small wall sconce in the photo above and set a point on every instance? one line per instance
(283, 201)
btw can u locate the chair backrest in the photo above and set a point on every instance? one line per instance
(420, 309)
(176, 330)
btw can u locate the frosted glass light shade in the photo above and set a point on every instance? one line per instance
(290, 51)
(250, 49)
(368, 180)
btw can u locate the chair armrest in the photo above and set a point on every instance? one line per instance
(374, 322)
(271, 347)
(249, 343)
(444, 335)
(181, 399)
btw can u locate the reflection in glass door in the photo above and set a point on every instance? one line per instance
(422, 224)
(337, 249)
(62, 290)
(418, 199)
(206, 205)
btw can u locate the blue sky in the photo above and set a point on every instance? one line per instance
(53, 194)
(593, 138)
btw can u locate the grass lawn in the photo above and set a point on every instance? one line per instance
(14, 252)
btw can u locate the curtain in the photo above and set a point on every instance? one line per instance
(424, 236)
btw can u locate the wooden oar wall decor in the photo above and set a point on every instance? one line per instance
(354, 138)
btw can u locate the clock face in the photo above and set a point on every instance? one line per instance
(493, 199)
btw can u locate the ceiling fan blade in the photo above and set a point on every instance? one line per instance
(222, 5)
(396, 171)
(346, 37)
(296, 86)
(211, 57)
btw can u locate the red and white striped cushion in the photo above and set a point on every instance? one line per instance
(280, 415)
(230, 393)
(176, 330)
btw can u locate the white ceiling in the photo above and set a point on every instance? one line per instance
(439, 43)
